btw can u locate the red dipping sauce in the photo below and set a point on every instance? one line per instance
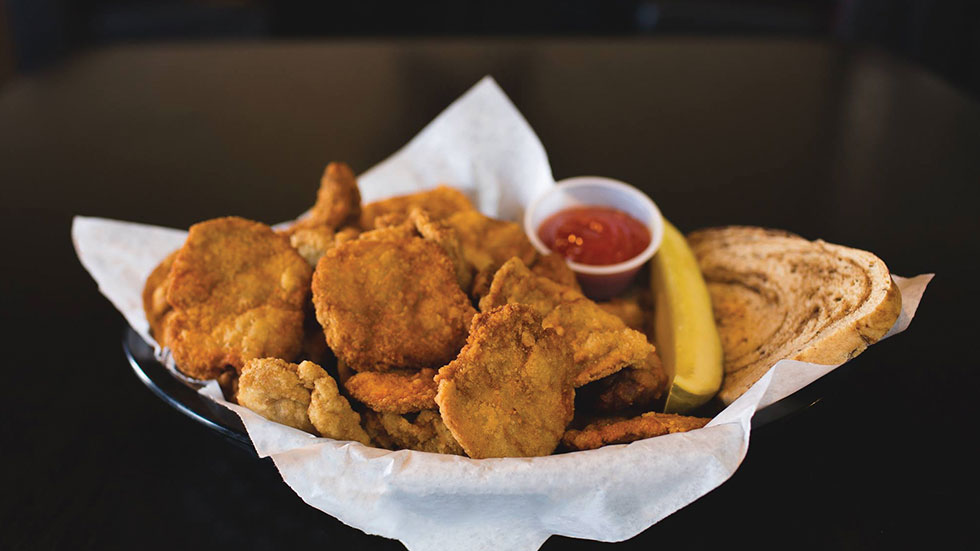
(598, 236)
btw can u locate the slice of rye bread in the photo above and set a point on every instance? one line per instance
(777, 295)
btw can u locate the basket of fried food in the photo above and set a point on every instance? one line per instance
(413, 322)
(416, 322)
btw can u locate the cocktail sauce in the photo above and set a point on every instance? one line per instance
(598, 236)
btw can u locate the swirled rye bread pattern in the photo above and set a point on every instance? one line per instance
(777, 295)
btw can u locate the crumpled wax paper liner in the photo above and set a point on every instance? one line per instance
(482, 145)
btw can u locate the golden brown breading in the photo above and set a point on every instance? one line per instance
(238, 290)
(629, 310)
(396, 226)
(601, 342)
(155, 304)
(488, 243)
(425, 433)
(622, 431)
(302, 396)
(440, 202)
(312, 242)
(338, 201)
(390, 304)
(508, 393)
(332, 415)
(399, 391)
(554, 267)
(279, 390)
(514, 283)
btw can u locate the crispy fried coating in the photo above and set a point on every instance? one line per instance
(390, 304)
(508, 393)
(554, 267)
(302, 396)
(279, 390)
(425, 433)
(440, 202)
(601, 342)
(155, 304)
(237, 290)
(629, 310)
(419, 222)
(312, 242)
(634, 387)
(514, 283)
(487, 243)
(398, 392)
(338, 201)
(623, 431)
(332, 415)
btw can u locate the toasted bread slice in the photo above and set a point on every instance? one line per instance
(777, 295)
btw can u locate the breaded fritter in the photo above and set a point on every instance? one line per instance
(425, 433)
(514, 283)
(440, 202)
(155, 304)
(390, 304)
(488, 243)
(508, 393)
(237, 290)
(279, 390)
(302, 396)
(332, 415)
(420, 223)
(554, 267)
(400, 391)
(623, 431)
(601, 342)
(313, 242)
(338, 201)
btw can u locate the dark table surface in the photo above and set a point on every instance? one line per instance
(830, 142)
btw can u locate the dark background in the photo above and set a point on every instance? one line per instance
(855, 122)
(941, 35)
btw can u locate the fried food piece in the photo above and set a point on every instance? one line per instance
(302, 396)
(554, 267)
(508, 393)
(426, 433)
(155, 303)
(488, 243)
(623, 431)
(390, 304)
(601, 342)
(634, 387)
(419, 222)
(338, 201)
(332, 415)
(313, 242)
(514, 283)
(629, 310)
(398, 392)
(238, 290)
(440, 202)
(279, 390)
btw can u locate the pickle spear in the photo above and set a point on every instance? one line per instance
(684, 325)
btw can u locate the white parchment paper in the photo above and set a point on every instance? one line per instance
(482, 145)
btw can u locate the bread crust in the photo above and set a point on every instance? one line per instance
(778, 296)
